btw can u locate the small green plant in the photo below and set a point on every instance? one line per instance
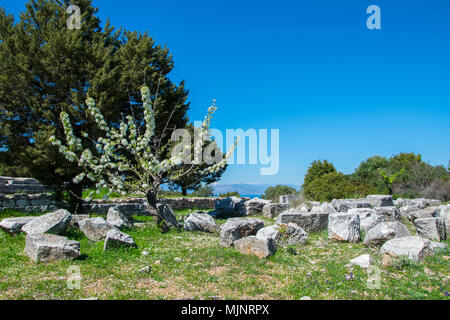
(274, 193)
(404, 262)
(389, 178)
(206, 191)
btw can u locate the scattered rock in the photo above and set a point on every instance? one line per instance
(429, 212)
(260, 247)
(368, 218)
(117, 239)
(14, 225)
(385, 231)
(310, 222)
(438, 245)
(95, 229)
(344, 227)
(363, 261)
(76, 218)
(201, 222)
(444, 212)
(50, 247)
(324, 208)
(118, 219)
(414, 248)
(284, 234)
(287, 199)
(420, 203)
(434, 202)
(272, 210)
(145, 253)
(431, 228)
(146, 269)
(255, 206)
(391, 213)
(303, 208)
(343, 205)
(166, 218)
(404, 211)
(229, 207)
(55, 222)
(237, 228)
(305, 298)
(380, 200)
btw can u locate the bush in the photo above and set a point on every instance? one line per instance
(230, 194)
(317, 170)
(438, 189)
(367, 174)
(334, 185)
(274, 193)
(206, 191)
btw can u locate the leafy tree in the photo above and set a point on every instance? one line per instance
(367, 173)
(195, 175)
(316, 170)
(45, 69)
(274, 193)
(333, 185)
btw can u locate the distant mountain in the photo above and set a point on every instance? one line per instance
(244, 188)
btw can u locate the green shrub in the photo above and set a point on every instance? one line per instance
(334, 185)
(274, 193)
(230, 194)
(317, 170)
(206, 191)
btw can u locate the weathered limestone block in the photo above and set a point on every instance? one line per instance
(48, 247)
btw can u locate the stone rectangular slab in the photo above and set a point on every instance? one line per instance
(14, 225)
(49, 247)
(310, 222)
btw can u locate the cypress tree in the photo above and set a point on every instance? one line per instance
(47, 68)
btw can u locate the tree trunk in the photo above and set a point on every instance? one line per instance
(152, 200)
(391, 191)
(75, 200)
(183, 191)
(164, 217)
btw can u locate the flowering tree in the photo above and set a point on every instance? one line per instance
(130, 159)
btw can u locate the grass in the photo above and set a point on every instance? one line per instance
(102, 194)
(193, 265)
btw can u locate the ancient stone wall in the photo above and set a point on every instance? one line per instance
(35, 203)
(9, 185)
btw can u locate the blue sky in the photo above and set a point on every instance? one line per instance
(335, 89)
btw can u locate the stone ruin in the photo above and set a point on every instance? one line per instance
(9, 185)
(379, 216)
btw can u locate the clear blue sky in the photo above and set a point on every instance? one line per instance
(312, 69)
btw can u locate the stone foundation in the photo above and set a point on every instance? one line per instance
(9, 185)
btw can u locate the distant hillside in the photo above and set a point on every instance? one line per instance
(244, 188)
